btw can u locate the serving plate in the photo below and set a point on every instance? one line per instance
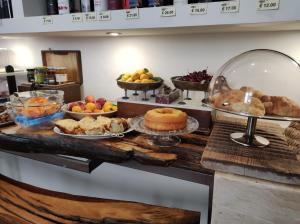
(93, 137)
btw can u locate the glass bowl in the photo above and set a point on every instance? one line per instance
(259, 83)
(36, 108)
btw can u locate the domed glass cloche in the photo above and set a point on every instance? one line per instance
(258, 83)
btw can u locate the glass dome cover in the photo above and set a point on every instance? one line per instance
(259, 83)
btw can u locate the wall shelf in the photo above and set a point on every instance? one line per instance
(287, 17)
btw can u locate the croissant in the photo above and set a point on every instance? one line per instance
(236, 100)
(281, 106)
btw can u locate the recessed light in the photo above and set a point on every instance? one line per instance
(114, 34)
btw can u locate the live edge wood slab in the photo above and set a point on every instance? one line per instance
(24, 204)
(133, 146)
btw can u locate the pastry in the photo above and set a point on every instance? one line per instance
(237, 101)
(255, 93)
(69, 126)
(165, 119)
(118, 125)
(281, 106)
(292, 134)
(90, 126)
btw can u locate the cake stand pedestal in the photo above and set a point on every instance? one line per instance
(249, 138)
(163, 138)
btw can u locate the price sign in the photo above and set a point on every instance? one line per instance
(198, 9)
(76, 18)
(47, 20)
(263, 5)
(90, 17)
(168, 11)
(230, 6)
(104, 16)
(132, 13)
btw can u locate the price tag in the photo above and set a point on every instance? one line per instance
(167, 11)
(90, 17)
(263, 5)
(104, 16)
(47, 20)
(76, 17)
(132, 13)
(198, 9)
(230, 6)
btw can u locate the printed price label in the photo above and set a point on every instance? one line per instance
(76, 18)
(230, 6)
(104, 16)
(198, 9)
(168, 11)
(90, 17)
(263, 5)
(47, 20)
(132, 13)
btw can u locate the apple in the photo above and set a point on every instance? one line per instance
(89, 99)
(100, 102)
(71, 105)
(82, 105)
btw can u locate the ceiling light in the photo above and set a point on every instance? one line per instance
(114, 34)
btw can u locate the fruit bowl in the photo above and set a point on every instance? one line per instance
(140, 86)
(194, 81)
(36, 108)
(79, 115)
(188, 85)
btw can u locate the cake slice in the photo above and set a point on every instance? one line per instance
(68, 126)
(91, 126)
(118, 125)
(105, 122)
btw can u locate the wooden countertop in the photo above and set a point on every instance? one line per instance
(133, 146)
(196, 152)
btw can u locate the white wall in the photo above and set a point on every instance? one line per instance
(103, 59)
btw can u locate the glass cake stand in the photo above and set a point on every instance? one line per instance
(164, 138)
(249, 138)
(257, 84)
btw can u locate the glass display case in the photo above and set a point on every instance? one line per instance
(259, 83)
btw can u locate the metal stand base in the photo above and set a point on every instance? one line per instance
(135, 93)
(249, 138)
(242, 139)
(164, 141)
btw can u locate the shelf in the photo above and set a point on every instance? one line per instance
(287, 17)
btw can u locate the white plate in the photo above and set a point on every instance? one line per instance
(92, 137)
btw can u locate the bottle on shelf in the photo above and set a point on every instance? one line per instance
(100, 5)
(63, 7)
(6, 9)
(85, 6)
(114, 4)
(52, 7)
(75, 6)
(166, 2)
(151, 3)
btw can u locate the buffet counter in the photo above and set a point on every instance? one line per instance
(198, 158)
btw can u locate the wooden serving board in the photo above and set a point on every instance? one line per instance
(133, 146)
(24, 204)
(276, 162)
